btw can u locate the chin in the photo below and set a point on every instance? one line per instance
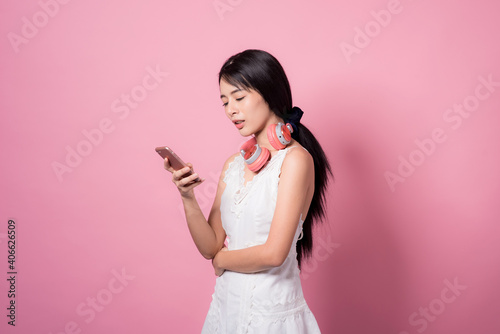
(245, 132)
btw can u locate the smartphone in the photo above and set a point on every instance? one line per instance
(173, 159)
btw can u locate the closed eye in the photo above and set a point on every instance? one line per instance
(241, 98)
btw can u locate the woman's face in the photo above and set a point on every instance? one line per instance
(247, 106)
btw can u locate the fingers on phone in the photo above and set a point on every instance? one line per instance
(178, 174)
(184, 171)
(191, 178)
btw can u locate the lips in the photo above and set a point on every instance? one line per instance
(238, 123)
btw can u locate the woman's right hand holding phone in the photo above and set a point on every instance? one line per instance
(184, 183)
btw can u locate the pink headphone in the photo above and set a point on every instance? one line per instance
(279, 136)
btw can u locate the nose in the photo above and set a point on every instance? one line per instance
(231, 108)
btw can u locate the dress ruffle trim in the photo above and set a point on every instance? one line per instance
(263, 321)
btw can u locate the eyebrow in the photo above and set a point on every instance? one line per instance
(234, 91)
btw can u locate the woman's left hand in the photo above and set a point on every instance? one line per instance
(218, 270)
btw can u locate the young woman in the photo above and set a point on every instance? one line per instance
(268, 196)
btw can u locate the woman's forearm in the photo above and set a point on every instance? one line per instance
(248, 260)
(202, 233)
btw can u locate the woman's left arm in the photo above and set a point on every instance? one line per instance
(297, 176)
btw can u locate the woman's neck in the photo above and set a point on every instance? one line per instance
(263, 140)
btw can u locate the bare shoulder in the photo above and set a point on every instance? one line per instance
(298, 154)
(299, 160)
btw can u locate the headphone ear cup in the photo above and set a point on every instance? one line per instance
(273, 138)
(279, 135)
(255, 156)
(260, 160)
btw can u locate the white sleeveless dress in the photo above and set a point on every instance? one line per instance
(270, 301)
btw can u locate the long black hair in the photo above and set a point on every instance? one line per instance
(260, 71)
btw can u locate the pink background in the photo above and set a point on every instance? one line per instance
(387, 254)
